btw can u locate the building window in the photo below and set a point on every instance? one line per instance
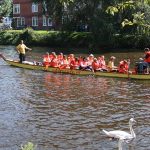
(49, 22)
(34, 21)
(20, 21)
(16, 8)
(34, 7)
(44, 21)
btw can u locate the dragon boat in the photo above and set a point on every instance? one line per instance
(38, 66)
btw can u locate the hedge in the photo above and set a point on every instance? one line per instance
(71, 39)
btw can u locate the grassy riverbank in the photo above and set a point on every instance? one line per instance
(72, 39)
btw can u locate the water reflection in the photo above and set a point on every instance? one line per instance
(59, 111)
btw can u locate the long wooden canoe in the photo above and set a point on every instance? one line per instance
(75, 72)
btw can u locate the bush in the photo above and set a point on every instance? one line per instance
(8, 37)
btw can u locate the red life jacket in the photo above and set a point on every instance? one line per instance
(54, 62)
(46, 60)
(123, 67)
(74, 64)
(95, 65)
(147, 57)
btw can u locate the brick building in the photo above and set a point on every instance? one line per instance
(29, 14)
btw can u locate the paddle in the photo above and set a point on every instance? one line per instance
(128, 68)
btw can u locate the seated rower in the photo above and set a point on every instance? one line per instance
(84, 65)
(141, 67)
(54, 61)
(52, 55)
(102, 63)
(60, 57)
(123, 66)
(74, 64)
(111, 67)
(80, 59)
(96, 65)
(46, 60)
(90, 59)
(64, 64)
(71, 57)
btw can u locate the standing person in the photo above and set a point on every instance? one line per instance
(21, 49)
(147, 56)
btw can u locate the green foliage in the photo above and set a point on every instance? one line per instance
(142, 41)
(112, 10)
(126, 22)
(131, 41)
(120, 7)
(44, 38)
(6, 8)
(75, 39)
(27, 35)
(28, 146)
(139, 15)
(9, 37)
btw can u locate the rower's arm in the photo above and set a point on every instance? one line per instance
(28, 48)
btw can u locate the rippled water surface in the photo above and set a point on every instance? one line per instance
(68, 112)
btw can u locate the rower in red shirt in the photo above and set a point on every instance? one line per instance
(74, 64)
(123, 66)
(64, 63)
(71, 57)
(46, 59)
(96, 65)
(54, 61)
(60, 57)
(147, 55)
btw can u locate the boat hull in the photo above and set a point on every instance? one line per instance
(78, 72)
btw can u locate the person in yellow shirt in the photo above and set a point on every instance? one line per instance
(21, 49)
(111, 67)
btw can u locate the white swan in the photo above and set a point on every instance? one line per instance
(122, 135)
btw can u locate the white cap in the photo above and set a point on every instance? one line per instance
(140, 58)
(113, 57)
(91, 55)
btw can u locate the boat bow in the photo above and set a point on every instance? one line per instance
(2, 56)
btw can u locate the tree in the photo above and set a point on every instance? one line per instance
(139, 14)
(79, 15)
(55, 9)
(6, 8)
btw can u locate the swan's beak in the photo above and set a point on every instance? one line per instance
(134, 121)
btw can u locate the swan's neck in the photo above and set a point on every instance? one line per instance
(131, 130)
(120, 144)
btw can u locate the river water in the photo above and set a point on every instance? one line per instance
(68, 112)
